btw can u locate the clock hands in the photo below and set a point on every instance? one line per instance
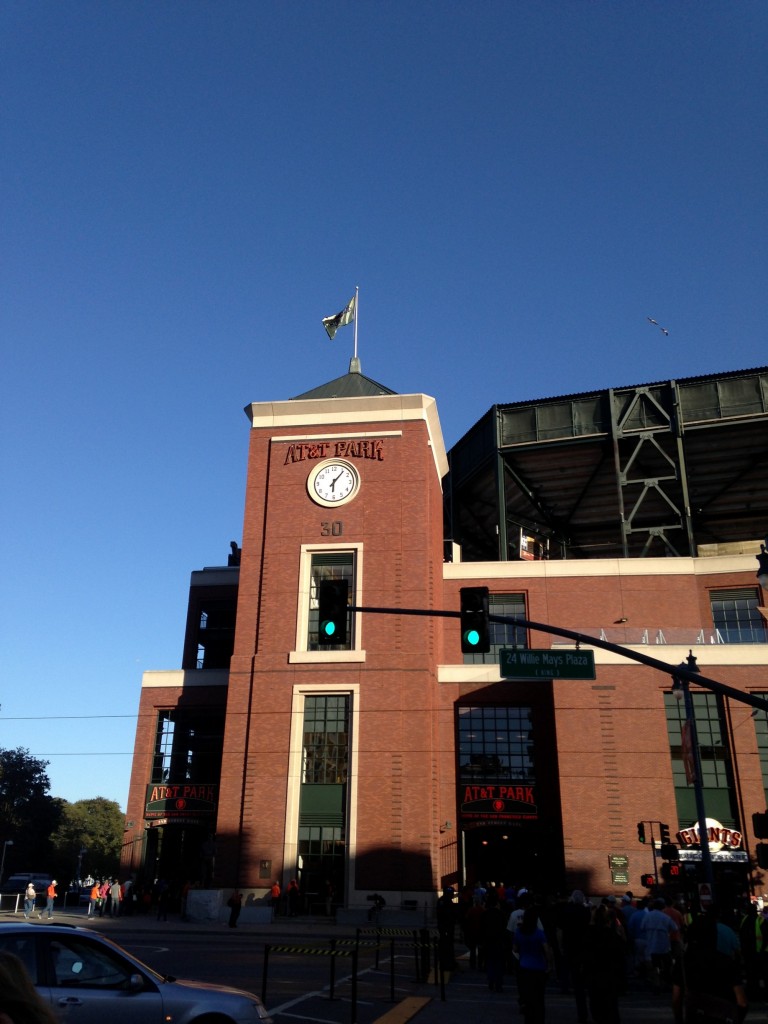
(333, 482)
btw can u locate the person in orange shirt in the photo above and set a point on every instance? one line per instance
(93, 900)
(275, 897)
(51, 896)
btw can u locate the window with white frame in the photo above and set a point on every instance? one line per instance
(330, 565)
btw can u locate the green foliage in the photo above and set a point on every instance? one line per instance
(95, 827)
(28, 815)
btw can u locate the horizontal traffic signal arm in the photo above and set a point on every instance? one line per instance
(682, 671)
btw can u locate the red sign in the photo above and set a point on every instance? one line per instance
(498, 803)
(367, 448)
(180, 800)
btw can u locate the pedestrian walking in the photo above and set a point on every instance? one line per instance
(235, 904)
(657, 930)
(447, 913)
(293, 895)
(115, 893)
(93, 900)
(274, 898)
(572, 923)
(50, 897)
(104, 898)
(29, 901)
(530, 945)
(604, 964)
(491, 921)
(708, 987)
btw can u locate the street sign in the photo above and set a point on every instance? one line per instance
(546, 664)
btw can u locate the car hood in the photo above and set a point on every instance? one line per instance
(207, 986)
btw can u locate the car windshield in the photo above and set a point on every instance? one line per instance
(145, 967)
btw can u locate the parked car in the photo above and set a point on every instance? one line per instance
(88, 978)
(20, 881)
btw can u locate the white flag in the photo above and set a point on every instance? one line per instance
(346, 316)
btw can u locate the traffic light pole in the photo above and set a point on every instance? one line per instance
(683, 672)
(698, 791)
(692, 676)
(653, 850)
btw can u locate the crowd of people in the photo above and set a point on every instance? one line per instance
(709, 963)
(109, 897)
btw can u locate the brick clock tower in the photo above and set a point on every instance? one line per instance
(333, 770)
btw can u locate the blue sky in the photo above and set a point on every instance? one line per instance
(188, 187)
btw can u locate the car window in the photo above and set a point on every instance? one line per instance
(78, 963)
(22, 946)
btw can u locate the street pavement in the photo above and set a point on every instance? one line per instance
(464, 998)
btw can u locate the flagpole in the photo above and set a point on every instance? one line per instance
(357, 313)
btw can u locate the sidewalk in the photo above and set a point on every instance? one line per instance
(469, 1001)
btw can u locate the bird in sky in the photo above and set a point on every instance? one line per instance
(657, 324)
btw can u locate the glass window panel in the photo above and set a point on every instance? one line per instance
(761, 734)
(188, 745)
(326, 740)
(491, 746)
(736, 616)
(332, 565)
(716, 769)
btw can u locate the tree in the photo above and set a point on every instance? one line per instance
(28, 815)
(94, 827)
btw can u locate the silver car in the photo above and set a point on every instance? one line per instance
(88, 979)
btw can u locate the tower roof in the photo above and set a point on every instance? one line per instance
(351, 385)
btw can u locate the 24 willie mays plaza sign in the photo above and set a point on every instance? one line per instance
(519, 663)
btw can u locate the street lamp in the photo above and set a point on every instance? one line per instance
(681, 691)
(6, 844)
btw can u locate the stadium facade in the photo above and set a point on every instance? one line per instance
(395, 764)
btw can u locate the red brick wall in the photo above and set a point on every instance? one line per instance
(397, 516)
(154, 699)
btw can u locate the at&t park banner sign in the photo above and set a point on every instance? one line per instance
(181, 800)
(497, 803)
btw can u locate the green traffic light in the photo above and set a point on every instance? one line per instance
(329, 628)
(472, 637)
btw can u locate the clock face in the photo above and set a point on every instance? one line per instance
(333, 483)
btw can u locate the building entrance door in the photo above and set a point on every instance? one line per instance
(505, 854)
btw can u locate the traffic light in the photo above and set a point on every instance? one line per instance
(332, 601)
(760, 825)
(475, 632)
(641, 831)
(669, 851)
(670, 872)
(761, 852)
(664, 833)
(647, 881)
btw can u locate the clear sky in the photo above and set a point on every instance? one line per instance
(190, 186)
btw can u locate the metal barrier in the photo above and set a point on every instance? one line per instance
(423, 942)
(12, 903)
(331, 951)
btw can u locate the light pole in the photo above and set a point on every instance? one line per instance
(81, 853)
(681, 690)
(6, 844)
